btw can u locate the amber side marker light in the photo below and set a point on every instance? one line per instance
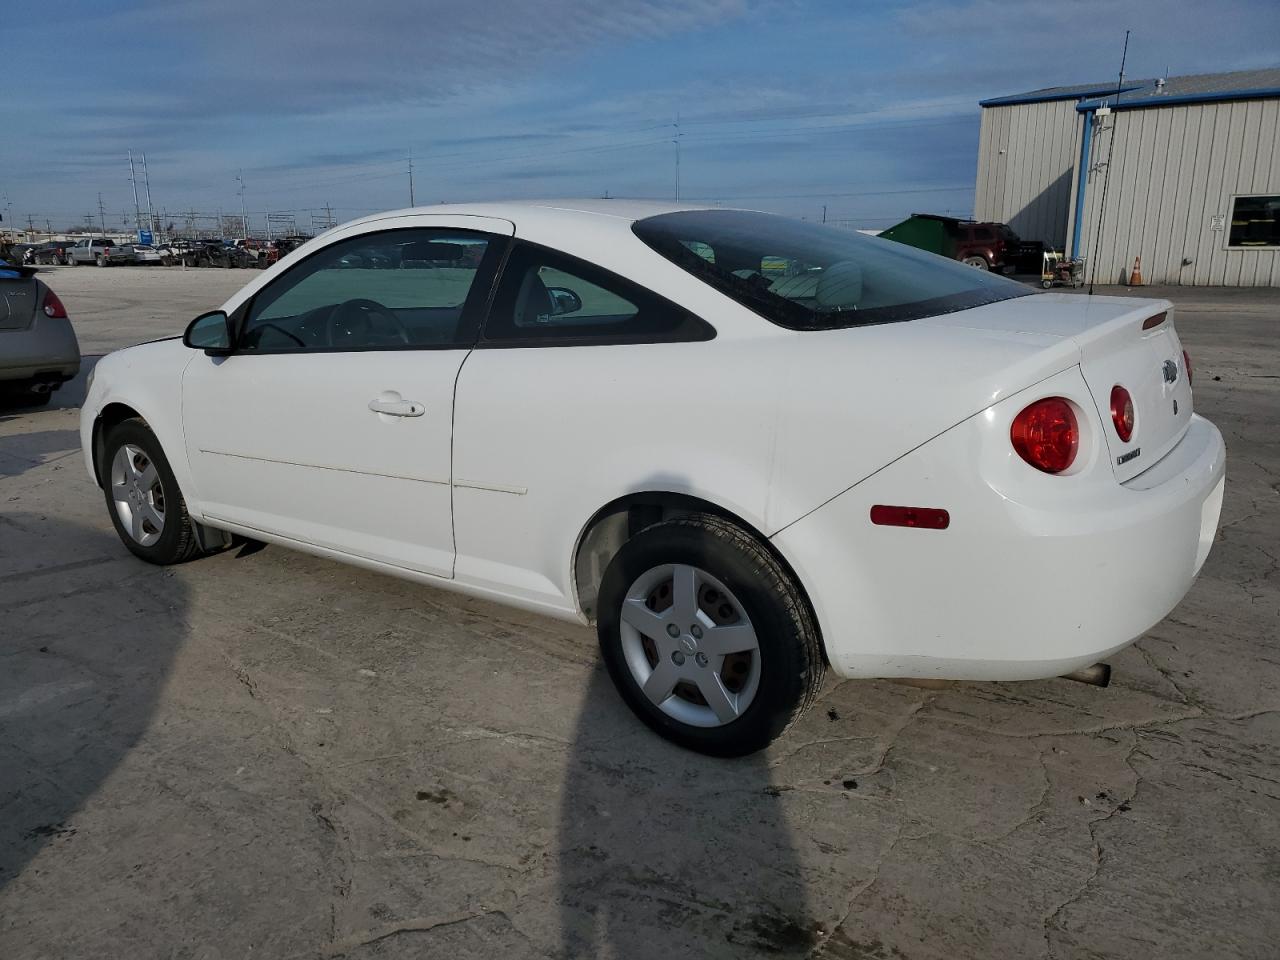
(930, 518)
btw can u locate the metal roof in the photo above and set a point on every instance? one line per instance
(1135, 94)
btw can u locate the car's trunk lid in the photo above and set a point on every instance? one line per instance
(19, 297)
(1149, 364)
(1114, 349)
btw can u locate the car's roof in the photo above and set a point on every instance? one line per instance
(544, 212)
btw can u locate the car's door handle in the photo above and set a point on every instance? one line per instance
(398, 408)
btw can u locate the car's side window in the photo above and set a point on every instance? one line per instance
(397, 289)
(546, 297)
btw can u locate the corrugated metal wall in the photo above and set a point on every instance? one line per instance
(1173, 171)
(1025, 163)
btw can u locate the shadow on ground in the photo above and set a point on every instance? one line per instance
(665, 853)
(22, 452)
(76, 692)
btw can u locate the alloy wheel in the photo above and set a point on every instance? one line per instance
(138, 494)
(690, 645)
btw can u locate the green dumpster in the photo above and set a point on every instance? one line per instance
(928, 232)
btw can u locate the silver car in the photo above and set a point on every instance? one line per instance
(38, 347)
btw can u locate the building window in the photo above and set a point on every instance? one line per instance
(1255, 222)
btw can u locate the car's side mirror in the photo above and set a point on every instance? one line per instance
(563, 300)
(210, 332)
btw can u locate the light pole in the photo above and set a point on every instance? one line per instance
(151, 213)
(676, 140)
(137, 213)
(244, 223)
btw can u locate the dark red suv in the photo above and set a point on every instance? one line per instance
(987, 246)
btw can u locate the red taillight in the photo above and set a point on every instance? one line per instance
(931, 518)
(1122, 412)
(1155, 321)
(53, 306)
(1186, 365)
(1046, 434)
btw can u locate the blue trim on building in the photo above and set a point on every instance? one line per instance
(1080, 93)
(1161, 100)
(1086, 139)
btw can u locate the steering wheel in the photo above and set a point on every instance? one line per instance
(351, 322)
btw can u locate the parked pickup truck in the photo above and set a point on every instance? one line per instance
(98, 250)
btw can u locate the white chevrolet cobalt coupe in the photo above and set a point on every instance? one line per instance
(747, 448)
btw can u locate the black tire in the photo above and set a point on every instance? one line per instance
(72, 261)
(790, 649)
(102, 261)
(177, 542)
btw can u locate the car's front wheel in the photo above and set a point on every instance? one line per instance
(146, 506)
(707, 637)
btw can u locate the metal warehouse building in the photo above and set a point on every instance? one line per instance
(1194, 187)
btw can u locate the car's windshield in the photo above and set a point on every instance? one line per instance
(805, 276)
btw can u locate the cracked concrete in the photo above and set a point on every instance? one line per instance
(267, 754)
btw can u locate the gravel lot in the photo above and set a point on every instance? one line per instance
(266, 754)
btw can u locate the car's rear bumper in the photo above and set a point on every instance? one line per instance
(1016, 587)
(48, 349)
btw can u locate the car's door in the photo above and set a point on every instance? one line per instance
(569, 393)
(331, 422)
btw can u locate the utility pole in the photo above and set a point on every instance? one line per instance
(244, 223)
(137, 212)
(1106, 179)
(410, 177)
(151, 213)
(31, 227)
(102, 216)
(676, 140)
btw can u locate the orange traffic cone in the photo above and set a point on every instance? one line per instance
(1135, 278)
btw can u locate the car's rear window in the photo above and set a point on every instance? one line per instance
(805, 276)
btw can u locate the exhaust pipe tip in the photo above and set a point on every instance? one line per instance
(1098, 675)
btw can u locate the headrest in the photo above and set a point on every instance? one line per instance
(840, 286)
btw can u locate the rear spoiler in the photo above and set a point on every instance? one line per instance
(14, 271)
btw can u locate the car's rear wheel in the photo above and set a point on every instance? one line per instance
(146, 506)
(707, 637)
(979, 263)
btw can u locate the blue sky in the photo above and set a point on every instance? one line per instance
(784, 105)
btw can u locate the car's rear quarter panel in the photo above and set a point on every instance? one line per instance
(1036, 575)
